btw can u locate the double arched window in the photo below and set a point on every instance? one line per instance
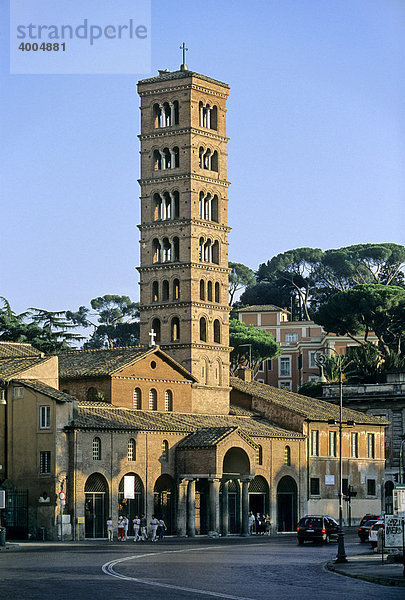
(168, 158)
(208, 207)
(166, 114)
(208, 250)
(166, 206)
(165, 250)
(208, 116)
(208, 159)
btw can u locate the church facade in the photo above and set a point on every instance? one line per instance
(160, 429)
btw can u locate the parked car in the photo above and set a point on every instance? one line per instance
(364, 530)
(369, 517)
(317, 528)
(372, 536)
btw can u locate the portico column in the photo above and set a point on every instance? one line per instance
(191, 508)
(225, 508)
(181, 525)
(245, 507)
(172, 113)
(214, 506)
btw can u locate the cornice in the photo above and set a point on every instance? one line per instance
(199, 346)
(151, 225)
(189, 304)
(164, 132)
(184, 177)
(183, 265)
(167, 88)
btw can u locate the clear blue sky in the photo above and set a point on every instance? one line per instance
(316, 157)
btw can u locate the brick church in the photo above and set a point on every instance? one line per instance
(162, 428)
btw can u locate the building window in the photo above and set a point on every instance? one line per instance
(311, 360)
(371, 487)
(285, 366)
(92, 394)
(354, 445)
(291, 337)
(217, 331)
(314, 486)
(96, 448)
(44, 417)
(168, 400)
(285, 385)
(345, 486)
(287, 456)
(314, 442)
(370, 445)
(261, 366)
(152, 399)
(269, 365)
(203, 329)
(332, 443)
(131, 455)
(259, 455)
(175, 329)
(165, 450)
(18, 392)
(137, 401)
(44, 462)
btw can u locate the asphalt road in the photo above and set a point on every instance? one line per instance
(236, 569)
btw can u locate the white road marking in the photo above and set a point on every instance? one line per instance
(108, 569)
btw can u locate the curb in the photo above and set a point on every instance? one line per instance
(387, 581)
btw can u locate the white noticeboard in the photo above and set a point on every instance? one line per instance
(129, 487)
(329, 480)
(2, 498)
(399, 500)
(393, 531)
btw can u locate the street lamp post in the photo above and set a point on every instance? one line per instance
(341, 553)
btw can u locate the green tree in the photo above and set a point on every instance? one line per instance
(365, 308)
(114, 320)
(262, 344)
(267, 293)
(239, 277)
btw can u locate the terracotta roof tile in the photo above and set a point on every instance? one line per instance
(310, 408)
(87, 363)
(42, 388)
(17, 350)
(11, 367)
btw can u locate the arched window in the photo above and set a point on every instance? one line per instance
(214, 161)
(259, 455)
(215, 253)
(176, 289)
(92, 394)
(175, 329)
(217, 331)
(214, 117)
(156, 251)
(96, 448)
(165, 158)
(167, 207)
(157, 207)
(157, 160)
(217, 292)
(201, 250)
(202, 289)
(152, 399)
(165, 450)
(209, 291)
(131, 454)
(203, 329)
(287, 456)
(201, 157)
(155, 291)
(176, 249)
(175, 157)
(207, 207)
(175, 205)
(168, 400)
(208, 251)
(201, 205)
(156, 329)
(156, 116)
(214, 209)
(137, 401)
(165, 290)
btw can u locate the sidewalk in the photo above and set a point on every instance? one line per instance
(369, 568)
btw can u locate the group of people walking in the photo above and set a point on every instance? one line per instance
(157, 529)
(259, 524)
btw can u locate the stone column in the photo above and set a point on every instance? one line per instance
(172, 113)
(191, 508)
(172, 206)
(225, 508)
(245, 507)
(162, 115)
(208, 116)
(214, 507)
(163, 210)
(201, 116)
(181, 525)
(172, 159)
(163, 160)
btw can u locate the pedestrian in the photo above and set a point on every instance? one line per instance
(154, 524)
(259, 524)
(121, 527)
(144, 524)
(110, 529)
(162, 529)
(126, 525)
(267, 524)
(251, 523)
(136, 523)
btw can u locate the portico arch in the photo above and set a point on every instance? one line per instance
(286, 504)
(165, 501)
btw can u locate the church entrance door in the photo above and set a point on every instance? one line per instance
(286, 504)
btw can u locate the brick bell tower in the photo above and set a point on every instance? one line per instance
(184, 228)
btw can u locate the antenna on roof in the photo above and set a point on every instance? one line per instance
(183, 66)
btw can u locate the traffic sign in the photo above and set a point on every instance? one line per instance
(62, 496)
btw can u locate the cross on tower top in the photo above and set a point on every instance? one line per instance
(152, 336)
(183, 66)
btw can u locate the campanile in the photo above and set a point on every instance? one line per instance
(184, 228)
